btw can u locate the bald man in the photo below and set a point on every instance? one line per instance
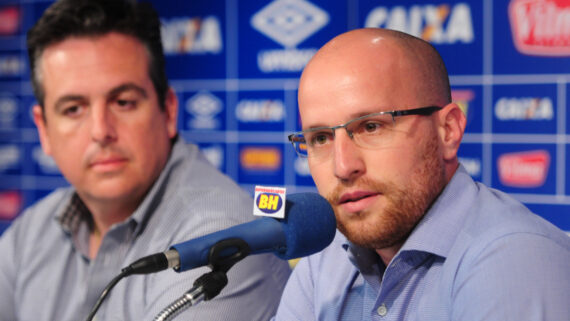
(418, 238)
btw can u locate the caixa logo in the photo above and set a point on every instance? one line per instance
(524, 169)
(524, 108)
(438, 24)
(541, 27)
(186, 35)
(269, 203)
(260, 110)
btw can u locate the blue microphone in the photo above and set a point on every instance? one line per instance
(309, 226)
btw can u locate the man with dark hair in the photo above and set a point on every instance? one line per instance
(91, 19)
(106, 115)
(418, 238)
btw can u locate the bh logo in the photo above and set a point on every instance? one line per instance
(269, 203)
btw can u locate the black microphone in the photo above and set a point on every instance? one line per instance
(309, 226)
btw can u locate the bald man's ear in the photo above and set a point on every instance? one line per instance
(452, 123)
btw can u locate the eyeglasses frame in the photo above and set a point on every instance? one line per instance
(422, 111)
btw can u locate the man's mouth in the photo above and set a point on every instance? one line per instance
(108, 163)
(358, 201)
(355, 197)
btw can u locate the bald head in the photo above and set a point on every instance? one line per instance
(405, 71)
(366, 71)
(380, 174)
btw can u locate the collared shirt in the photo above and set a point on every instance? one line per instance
(476, 255)
(46, 274)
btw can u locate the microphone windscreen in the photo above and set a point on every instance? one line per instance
(310, 225)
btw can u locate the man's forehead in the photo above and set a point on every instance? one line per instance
(314, 116)
(78, 42)
(63, 66)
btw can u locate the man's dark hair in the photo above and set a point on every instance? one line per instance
(93, 18)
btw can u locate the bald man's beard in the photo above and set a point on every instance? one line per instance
(403, 206)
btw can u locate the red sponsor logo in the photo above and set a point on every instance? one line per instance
(541, 27)
(524, 169)
(9, 20)
(10, 204)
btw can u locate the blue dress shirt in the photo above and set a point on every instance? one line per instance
(476, 255)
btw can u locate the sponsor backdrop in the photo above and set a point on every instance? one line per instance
(235, 66)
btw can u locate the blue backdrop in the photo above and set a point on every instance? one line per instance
(235, 66)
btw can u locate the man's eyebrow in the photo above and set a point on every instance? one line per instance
(351, 116)
(127, 87)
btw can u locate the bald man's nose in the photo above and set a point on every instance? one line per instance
(348, 163)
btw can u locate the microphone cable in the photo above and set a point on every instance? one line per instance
(149, 264)
(222, 256)
(105, 292)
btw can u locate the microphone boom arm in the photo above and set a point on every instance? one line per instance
(209, 285)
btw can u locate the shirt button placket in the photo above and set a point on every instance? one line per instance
(382, 310)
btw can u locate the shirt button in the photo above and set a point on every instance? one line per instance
(382, 310)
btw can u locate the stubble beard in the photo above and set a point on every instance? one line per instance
(404, 206)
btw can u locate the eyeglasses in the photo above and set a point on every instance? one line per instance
(371, 131)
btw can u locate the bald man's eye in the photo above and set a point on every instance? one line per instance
(319, 139)
(369, 128)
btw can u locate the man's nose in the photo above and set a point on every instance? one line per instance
(103, 127)
(348, 161)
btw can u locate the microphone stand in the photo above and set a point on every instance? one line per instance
(221, 258)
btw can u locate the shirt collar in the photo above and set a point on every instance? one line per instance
(440, 226)
(75, 213)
